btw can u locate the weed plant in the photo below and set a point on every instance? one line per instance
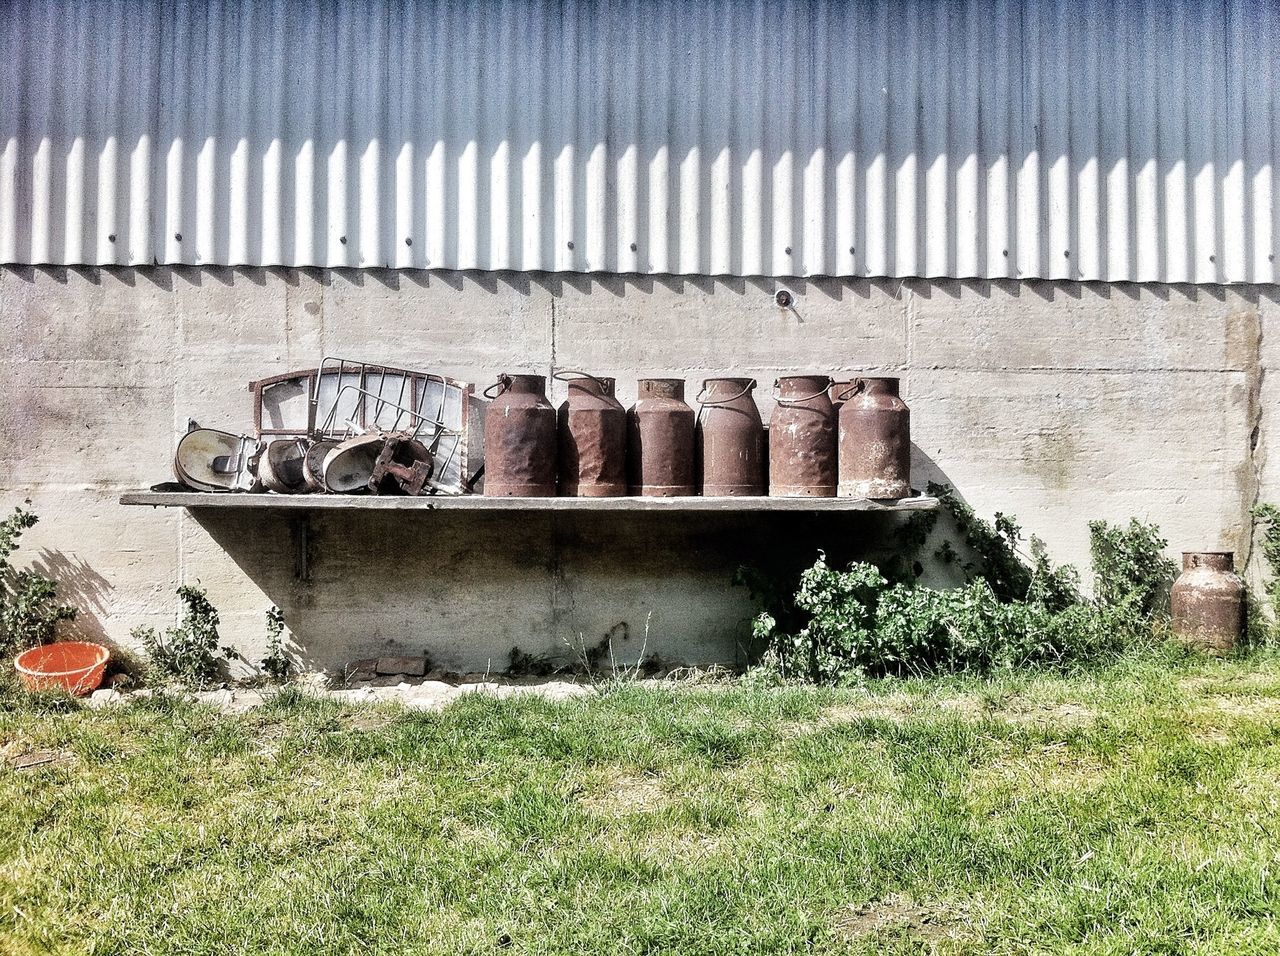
(1013, 609)
(29, 608)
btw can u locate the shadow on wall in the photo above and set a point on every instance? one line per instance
(465, 588)
(619, 286)
(80, 586)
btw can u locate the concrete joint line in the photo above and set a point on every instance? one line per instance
(1084, 369)
(1252, 472)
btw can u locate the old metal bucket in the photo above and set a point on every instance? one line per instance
(519, 438)
(281, 466)
(730, 439)
(875, 440)
(593, 438)
(660, 440)
(802, 438)
(1208, 601)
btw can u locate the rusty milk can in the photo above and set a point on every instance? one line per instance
(875, 440)
(1208, 601)
(802, 439)
(593, 438)
(660, 440)
(519, 439)
(730, 439)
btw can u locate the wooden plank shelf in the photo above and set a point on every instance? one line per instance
(241, 500)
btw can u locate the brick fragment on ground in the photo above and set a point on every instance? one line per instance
(412, 666)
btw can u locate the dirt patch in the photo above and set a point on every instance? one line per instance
(898, 916)
(1249, 708)
(1055, 768)
(1259, 682)
(16, 756)
(1212, 719)
(1019, 711)
(899, 708)
(366, 720)
(891, 707)
(628, 794)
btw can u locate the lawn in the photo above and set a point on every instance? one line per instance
(1128, 809)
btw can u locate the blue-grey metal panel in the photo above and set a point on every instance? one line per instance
(1094, 139)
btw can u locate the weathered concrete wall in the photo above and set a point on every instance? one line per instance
(1055, 402)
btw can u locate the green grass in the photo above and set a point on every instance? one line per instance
(1130, 809)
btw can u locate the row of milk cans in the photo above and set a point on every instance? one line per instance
(825, 438)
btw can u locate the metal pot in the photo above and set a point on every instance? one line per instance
(875, 441)
(730, 439)
(1208, 601)
(660, 430)
(313, 463)
(281, 466)
(349, 465)
(592, 428)
(802, 439)
(519, 438)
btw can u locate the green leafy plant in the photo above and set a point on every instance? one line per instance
(860, 624)
(1264, 616)
(1129, 567)
(997, 558)
(276, 664)
(189, 654)
(1012, 611)
(29, 608)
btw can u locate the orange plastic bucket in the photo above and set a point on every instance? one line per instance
(75, 666)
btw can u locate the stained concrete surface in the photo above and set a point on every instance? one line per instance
(1054, 402)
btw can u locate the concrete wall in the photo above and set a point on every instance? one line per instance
(1055, 402)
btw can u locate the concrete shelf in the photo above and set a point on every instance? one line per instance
(234, 500)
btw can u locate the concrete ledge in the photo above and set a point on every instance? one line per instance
(186, 499)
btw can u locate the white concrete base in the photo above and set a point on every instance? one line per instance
(428, 695)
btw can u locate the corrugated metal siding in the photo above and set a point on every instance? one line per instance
(1082, 140)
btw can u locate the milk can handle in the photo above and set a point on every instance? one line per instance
(722, 401)
(856, 386)
(797, 401)
(503, 383)
(560, 376)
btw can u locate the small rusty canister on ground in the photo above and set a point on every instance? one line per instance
(660, 440)
(730, 439)
(1208, 601)
(802, 439)
(519, 439)
(593, 439)
(875, 440)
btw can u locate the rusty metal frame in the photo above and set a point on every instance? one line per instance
(371, 406)
(306, 375)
